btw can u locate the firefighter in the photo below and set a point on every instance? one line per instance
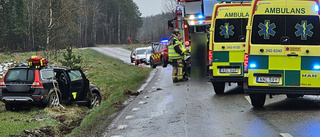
(176, 55)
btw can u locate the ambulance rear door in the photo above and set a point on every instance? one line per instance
(229, 37)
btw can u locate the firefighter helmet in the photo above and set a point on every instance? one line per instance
(175, 31)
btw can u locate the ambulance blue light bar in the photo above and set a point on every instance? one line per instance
(232, 0)
(200, 16)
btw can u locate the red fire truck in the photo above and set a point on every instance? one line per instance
(192, 16)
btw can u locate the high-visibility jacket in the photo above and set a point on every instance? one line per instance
(172, 53)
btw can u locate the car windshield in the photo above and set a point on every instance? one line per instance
(230, 30)
(141, 51)
(25, 75)
(298, 29)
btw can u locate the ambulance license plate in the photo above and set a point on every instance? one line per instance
(268, 79)
(229, 70)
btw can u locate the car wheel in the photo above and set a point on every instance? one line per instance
(293, 96)
(9, 107)
(164, 63)
(53, 100)
(257, 100)
(151, 64)
(94, 101)
(218, 87)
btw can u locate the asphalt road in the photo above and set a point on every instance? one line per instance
(190, 109)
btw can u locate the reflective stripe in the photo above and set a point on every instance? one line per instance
(172, 53)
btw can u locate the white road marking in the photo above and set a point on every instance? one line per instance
(122, 126)
(143, 102)
(156, 83)
(153, 87)
(128, 117)
(116, 136)
(285, 135)
(135, 109)
(248, 99)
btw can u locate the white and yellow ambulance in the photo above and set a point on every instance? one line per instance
(227, 43)
(284, 49)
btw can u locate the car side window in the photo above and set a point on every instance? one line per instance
(74, 75)
(47, 74)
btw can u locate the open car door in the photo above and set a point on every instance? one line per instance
(79, 84)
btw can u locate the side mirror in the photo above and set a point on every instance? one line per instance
(170, 24)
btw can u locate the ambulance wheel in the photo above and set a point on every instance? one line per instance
(240, 84)
(293, 96)
(218, 87)
(257, 100)
(151, 64)
(164, 63)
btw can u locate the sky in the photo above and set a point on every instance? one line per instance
(149, 7)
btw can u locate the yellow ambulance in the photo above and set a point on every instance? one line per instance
(227, 46)
(284, 49)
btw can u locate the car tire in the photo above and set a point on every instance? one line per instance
(53, 100)
(218, 87)
(94, 101)
(257, 100)
(294, 95)
(151, 64)
(9, 107)
(164, 63)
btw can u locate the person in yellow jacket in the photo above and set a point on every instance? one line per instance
(176, 55)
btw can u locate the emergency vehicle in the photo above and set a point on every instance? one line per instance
(227, 43)
(284, 45)
(159, 54)
(192, 16)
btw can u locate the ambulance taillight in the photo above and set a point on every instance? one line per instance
(210, 57)
(245, 63)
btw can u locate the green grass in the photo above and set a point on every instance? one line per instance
(110, 75)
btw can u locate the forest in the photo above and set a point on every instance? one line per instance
(46, 25)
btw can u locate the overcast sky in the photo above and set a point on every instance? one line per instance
(149, 7)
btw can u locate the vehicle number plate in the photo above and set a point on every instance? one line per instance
(229, 70)
(268, 79)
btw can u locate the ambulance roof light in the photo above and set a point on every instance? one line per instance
(200, 16)
(316, 67)
(316, 8)
(200, 22)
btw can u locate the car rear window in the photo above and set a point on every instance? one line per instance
(24, 75)
(230, 30)
(299, 29)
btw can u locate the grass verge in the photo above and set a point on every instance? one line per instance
(110, 75)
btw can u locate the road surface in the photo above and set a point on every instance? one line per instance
(190, 109)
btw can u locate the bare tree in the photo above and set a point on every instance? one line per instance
(169, 6)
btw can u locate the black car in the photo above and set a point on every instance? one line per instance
(48, 86)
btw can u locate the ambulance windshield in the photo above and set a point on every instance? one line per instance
(230, 30)
(296, 29)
